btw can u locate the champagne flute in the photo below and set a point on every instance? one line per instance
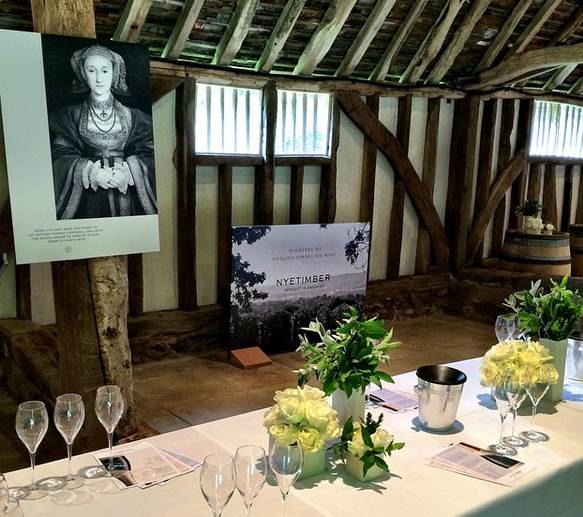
(217, 481)
(286, 462)
(536, 392)
(109, 408)
(516, 395)
(69, 416)
(504, 328)
(250, 472)
(32, 422)
(500, 395)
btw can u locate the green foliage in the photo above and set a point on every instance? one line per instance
(530, 208)
(348, 357)
(539, 314)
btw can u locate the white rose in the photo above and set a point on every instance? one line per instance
(310, 393)
(318, 413)
(382, 438)
(284, 434)
(291, 409)
(332, 429)
(356, 446)
(310, 439)
(287, 393)
(271, 416)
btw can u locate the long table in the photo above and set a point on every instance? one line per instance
(414, 489)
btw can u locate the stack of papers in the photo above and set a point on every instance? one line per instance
(394, 399)
(144, 465)
(479, 463)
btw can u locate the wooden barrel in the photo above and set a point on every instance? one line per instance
(576, 232)
(545, 254)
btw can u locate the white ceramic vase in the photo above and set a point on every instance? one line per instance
(558, 350)
(354, 469)
(346, 407)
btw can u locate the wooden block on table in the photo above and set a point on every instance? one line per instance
(248, 358)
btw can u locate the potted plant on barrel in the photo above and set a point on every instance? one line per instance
(346, 359)
(531, 222)
(550, 318)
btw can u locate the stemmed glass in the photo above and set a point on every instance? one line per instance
(286, 462)
(109, 408)
(536, 392)
(32, 422)
(250, 472)
(501, 396)
(516, 395)
(504, 328)
(69, 417)
(217, 481)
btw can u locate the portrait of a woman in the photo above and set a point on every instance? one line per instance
(102, 149)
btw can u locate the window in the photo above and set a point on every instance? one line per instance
(303, 124)
(228, 120)
(557, 130)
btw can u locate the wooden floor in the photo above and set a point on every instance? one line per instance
(176, 393)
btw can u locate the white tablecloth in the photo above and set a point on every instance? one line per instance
(555, 487)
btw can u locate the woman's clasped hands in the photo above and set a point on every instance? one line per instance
(95, 175)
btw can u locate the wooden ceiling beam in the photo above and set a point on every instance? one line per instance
(433, 42)
(543, 14)
(235, 32)
(382, 67)
(559, 77)
(280, 34)
(365, 36)
(507, 29)
(132, 20)
(324, 36)
(569, 29)
(457, 43)
(577, 88)
(182, 29)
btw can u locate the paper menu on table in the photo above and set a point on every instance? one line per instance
(394, 399)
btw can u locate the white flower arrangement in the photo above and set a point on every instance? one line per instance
(302, 415)
(532, 224)
(526, 362)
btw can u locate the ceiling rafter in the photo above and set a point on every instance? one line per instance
(365, 36)
(285, 24)
(235, 32)
(132, 20)
(457, 43)
(433, 42)
(182, 29)
(383, 66)
(324, 36)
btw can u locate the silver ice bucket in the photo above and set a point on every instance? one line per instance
(574, 367)
(439, 389)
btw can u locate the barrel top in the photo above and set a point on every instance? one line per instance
(555, 236)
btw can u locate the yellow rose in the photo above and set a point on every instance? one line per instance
(488, 372)
(530, 358)
(318, 413)
(310, 439)
(310, 393)
(548, 373)
(501, 351)
(291, 409)
(382, 438)
(526, 376)
(284, 434)
(271, 416)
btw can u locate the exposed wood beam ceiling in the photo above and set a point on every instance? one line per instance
(236, 32)
(132, 20)
(181, 31)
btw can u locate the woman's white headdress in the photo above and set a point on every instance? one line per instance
(118, 83)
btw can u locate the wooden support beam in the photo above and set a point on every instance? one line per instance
(457, 43)
(369, 168)
(577, 87)
(423, 254)
(518, 191)
(135, 285)
(327, 208)
(296, 194)
(462, 161)
(559, 76)
(182, 29)
(386, 142)
(381, 69)
(280, 34)
(132, 20)
(398, 206)
(549, 213)
(532, 29)
(569, 29)
(433, 42)
(186, 194)
(534, 181)
(264, 174)
(579, 211)
(224, 230)
(567, 198)
(324, 36)
(507, 30)
(23, 300)
(486, 159)
(496, 196)
(235, 32)
(504, 155)
(369, 30)
(532, 61)
(70, 17)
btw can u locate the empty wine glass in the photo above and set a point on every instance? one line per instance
(504, 328)
(32, 422)
(536, 392)
(516, 395)
(500, 395)
(217, 481)
(109, 408)
(69, 416)
(12, 509)
(250, 472)
(286, 462)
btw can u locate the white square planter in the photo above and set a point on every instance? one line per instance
(354, 469)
